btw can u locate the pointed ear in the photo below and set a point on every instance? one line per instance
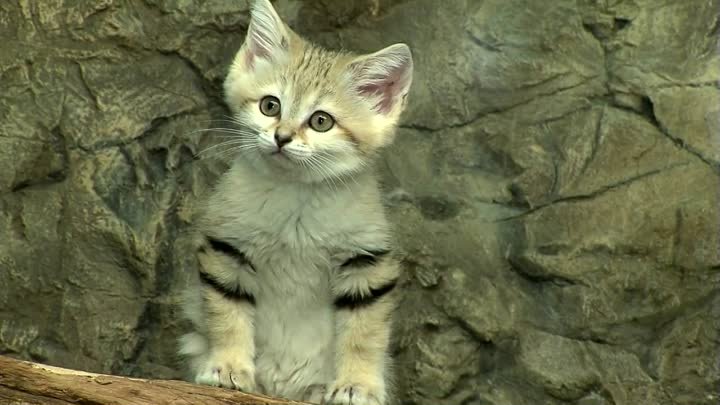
(267, 35)
(384, 77)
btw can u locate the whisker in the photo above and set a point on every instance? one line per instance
(234, 137)
(237, 120)
(343, 178)
(231, 151)
(315, 168)
(221, 144)
(225, 130)
(328, 175)
(223, 120)
(234, 145)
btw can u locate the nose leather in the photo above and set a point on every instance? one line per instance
(282, 139)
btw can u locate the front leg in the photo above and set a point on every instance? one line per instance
(365, 298)
(225, 322)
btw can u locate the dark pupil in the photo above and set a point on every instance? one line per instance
(320, 120)
(270, 105)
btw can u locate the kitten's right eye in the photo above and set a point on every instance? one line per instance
(270, 106)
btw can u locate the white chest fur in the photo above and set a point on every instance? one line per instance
(295, 235)
(277, 220)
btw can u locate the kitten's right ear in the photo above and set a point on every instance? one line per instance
(267, 36)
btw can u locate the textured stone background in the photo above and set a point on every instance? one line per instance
(554, 186)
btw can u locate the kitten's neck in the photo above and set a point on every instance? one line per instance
(248, 200)
(300, 178)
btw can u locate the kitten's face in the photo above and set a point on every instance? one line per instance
(311, 114)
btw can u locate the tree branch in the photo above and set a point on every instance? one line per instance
(26, 383)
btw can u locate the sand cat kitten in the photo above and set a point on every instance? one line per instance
(296, 286)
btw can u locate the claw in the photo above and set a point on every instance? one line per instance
(354, 395)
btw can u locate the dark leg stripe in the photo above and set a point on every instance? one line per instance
(235, 294)
(355, 301)
(229, 250)
(364, 260)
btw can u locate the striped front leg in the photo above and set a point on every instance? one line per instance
(228, 282)
(365, 297)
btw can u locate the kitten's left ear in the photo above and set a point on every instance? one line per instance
(267, 35)
(384, 77)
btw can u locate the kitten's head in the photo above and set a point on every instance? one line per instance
(312, 113)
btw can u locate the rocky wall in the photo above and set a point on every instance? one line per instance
(554, 187)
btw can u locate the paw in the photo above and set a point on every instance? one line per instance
(353, 394)
(314, 393)
(227, 374)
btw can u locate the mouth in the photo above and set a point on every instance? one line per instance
(279, 155)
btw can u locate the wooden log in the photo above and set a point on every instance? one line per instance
(27, 383)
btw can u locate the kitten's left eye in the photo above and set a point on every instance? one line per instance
(321, 121)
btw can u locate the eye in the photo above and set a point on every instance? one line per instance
(270, 106)
(321, 121)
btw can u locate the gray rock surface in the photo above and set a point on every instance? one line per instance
(554, 187)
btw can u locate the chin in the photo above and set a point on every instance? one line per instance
(294, 169)
(279, 166)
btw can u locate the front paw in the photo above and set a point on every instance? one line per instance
(219, 371)
(353, 394)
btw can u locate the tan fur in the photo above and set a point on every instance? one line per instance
(283, 309)
(362, 280)
(313, 77)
